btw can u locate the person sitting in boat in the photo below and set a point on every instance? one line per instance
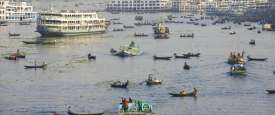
(130, 100)
(243, 53)
(139, 103)
(233, 68)
(90, 56)
(125, 104)
(195, 91)
(150, 78)
(182, 92)
(186, 65)
(127, 82)
(132, 44)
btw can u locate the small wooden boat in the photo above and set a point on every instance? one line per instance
(270, 91)
(14, 34)
(74, 113)
(141, 35)
(35, 66)
(192, 94)
(252, 28)
(128, 26)
(20, 55)
(11, 57)
(40, 42)
(151, 81)
(232, 33)
(182, 56)
(186, 66)
(31, 42)
(91, 56)
(119, 84)
(161, 36)
(182, 95)
(116, 30)
(162, 58)
(226, 28)
(187, 35)
(192, 54)
(118, 23)
(252, 42)
(256, 59)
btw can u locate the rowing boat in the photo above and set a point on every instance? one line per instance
(151, 81)
(256, 59)
(35, 66)
(40, 42)
(162, 58)
(10, 57)
(119, 84)
(191, 94)
(182, 95)
(91, 56)
(270, 91)
(181, 56)
(192, 54)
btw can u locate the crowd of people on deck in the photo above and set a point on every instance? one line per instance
(236, 57)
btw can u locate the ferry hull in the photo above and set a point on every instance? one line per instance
(45, 32)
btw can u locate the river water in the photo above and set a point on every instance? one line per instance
(71, 80)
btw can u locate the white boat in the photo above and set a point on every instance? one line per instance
(15, 11)
(269, 27)
(70, 23)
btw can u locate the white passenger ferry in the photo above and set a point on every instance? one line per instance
(12, 11)
(69, 23)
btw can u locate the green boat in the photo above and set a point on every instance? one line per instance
(238, 69)
(125, 51)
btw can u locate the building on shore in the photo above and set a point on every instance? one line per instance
(11, 11)
(239, 7)
(65, 23)
(212, 6)
(139, 5)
